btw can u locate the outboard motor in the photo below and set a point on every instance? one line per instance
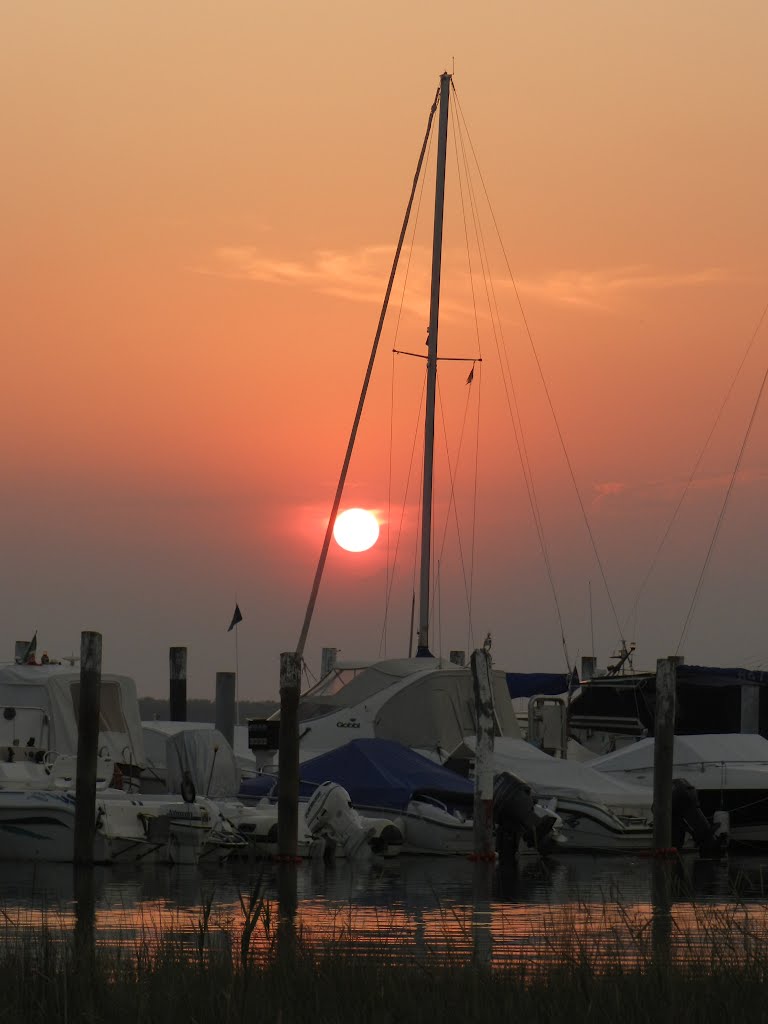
(330, 812)
(687, 816)
(517, 815)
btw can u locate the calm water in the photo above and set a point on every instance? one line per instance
(531, 912)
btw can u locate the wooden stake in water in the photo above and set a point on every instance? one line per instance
(288, 756)
(483, 807)
(178, 684)
(87, 746)
(663, 753)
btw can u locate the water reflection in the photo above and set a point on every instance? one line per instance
(530, 912)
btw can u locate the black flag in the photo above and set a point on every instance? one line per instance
(471, 376)
(28, 656)
(237, 617)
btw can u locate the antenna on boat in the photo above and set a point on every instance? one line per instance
(422, 650)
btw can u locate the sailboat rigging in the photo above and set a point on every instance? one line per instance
(441, 103)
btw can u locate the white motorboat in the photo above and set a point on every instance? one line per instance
(402, 800)
(599, 814)
(37, 815)
(38, 731)
(729, 772)
(428, 705)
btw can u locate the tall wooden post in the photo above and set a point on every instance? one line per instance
(483, 806)
(87, 746)
(327, 660)
(177, 692)
(288, 756)
(663, 753)
(588, 666)
(750, 708)
(225, 705)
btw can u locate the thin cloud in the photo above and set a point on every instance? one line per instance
(609, 489)
(360, 275)
(670, 490)
(601, 289)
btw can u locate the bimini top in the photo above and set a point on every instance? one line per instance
(39, 709)
(382, 773)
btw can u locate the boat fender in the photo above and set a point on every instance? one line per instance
(687, 816)
(386, 839)
(187, 788)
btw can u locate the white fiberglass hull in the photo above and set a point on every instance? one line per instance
(39, 826)
(592, 828)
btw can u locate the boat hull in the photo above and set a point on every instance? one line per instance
(39, 826)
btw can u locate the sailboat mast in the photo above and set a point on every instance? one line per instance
(422, 650)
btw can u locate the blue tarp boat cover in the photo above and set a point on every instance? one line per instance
(529, 684)
(383, 773)
(258, 786)
(378, 773)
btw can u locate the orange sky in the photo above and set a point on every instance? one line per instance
(199, 206)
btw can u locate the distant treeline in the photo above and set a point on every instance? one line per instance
(152, 709)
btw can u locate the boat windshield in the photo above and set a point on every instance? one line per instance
(333, 682)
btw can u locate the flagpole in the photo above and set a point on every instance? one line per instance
(237, 618)
(237, 681)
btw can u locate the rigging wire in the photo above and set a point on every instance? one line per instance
(453, 470)
(452, 473)
(694, 471)
(469, 585)
(507, 377)
(737, 466)
(546, 390)
(391, 563)
(470, 379)
(402, 513)
(358, 414)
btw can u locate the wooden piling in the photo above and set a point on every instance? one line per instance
(483, 805)
(225, 705)
(327, 660)
(177, 692)
(588, 666)
(288, 756)
(750, 707)
(663, 753)
(87, 746)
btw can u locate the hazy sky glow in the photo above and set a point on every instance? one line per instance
(200, 207)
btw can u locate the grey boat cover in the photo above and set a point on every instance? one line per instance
(550, 776)
(41, 703)
(693, 751)
(209, 760)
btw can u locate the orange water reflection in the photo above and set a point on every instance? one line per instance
(406, 914)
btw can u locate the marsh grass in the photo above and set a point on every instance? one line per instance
(590, 961)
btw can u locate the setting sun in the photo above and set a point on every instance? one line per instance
(356, 529)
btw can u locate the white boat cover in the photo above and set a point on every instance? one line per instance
(694, 751)
(210, 761)
(550, 776)
(45, 701)
(157, 732)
